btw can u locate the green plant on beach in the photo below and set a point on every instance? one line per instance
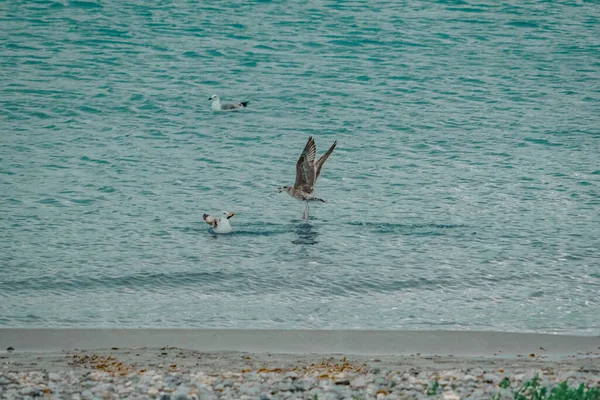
(533, 390)
(504, 384)
(564, 392)
(433, 390)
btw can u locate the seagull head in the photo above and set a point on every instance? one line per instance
(227, 214)
(282, 188)
(214, 97)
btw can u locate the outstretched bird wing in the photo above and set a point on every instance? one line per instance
(212, 221)
(305, 167)
(322, 160)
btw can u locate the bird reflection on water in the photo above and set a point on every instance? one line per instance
(306, 234)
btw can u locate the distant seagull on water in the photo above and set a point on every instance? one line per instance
(217, 106)
(307, 173)
(219, 225)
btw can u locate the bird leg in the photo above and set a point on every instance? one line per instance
(306, 210)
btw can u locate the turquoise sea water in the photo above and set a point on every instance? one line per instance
(463, 194)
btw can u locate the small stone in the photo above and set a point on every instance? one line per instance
(327, 396)
(87, 394)
(103, 387)
(124, 390)
(286, 387)
(30, 391)
(382, 381)
(568, 375)
(249, 390)
(300, 386)
(97, 375)
(451, 396)
(228, 383)
(152, 391)
(292, 375)
(359, 381)
(477, 371)
(181, 393)
(491, 378)
(53, 376)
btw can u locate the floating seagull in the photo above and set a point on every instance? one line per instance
(217, 106)
(219, 225)
(307, 173)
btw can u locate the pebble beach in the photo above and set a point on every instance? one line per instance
(174, 373)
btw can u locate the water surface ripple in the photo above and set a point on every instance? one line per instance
(463, 194)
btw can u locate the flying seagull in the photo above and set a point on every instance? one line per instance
(307, 173)
(219, 225)
(217, 106)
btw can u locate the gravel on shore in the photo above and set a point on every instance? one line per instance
(171, 373)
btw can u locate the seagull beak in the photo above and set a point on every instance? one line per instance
(210, 98)
(231, 214)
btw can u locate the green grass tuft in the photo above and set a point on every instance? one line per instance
(563, 392)
(433, 390)
(533, 390)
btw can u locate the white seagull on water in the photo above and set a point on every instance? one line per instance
(217, 106)
(307, 173)
(219, 225)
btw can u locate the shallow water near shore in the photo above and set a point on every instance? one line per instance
(463, 193)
